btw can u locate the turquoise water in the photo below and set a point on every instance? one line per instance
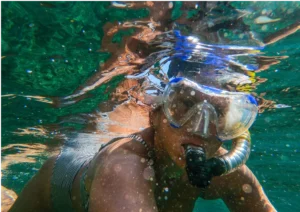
(50, 49)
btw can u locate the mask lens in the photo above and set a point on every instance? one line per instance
(240, 116)
(206, 110)
(205, 121)
(178, 107)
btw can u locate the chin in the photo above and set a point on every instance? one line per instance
(179, 158)
(180, 163)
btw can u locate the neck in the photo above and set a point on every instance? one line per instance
(165, 168)
(148, 136)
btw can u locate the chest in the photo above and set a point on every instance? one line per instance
(175, 195)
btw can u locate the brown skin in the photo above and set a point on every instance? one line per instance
(119, 172)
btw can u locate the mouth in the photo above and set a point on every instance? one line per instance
(191, 141)
(194, 155)
(190, 145)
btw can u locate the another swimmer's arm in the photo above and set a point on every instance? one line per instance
(243, 192)
(122, 182)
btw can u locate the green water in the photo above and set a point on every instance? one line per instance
(51, 49)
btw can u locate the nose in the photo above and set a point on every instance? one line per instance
(205, 123)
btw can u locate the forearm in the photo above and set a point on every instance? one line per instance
(245, 193)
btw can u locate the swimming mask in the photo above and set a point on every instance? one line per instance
(208, 111)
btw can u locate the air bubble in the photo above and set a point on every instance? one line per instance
(264, 27)
(148, 173)
(117, 168)
(247, 188)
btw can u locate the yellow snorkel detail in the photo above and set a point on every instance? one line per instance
(246, 136)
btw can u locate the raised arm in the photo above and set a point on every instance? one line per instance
(241, 191)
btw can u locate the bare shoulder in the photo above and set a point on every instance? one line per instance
(124, 148)
(122, 172)
(120, 157)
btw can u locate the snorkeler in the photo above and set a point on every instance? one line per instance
(162, 168)
(165, 167)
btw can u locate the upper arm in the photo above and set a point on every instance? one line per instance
(123, 181)
(243, 192)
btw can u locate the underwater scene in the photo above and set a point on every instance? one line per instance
(71, 69)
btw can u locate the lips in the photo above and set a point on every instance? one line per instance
(191, 151)
(189, 147)
(190, 143)
(195, 156)
(193, 148)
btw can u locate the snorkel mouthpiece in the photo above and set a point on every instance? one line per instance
(195, 158)
(200, 171)
(194, 154)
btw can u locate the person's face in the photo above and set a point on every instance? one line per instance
(172, 140)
